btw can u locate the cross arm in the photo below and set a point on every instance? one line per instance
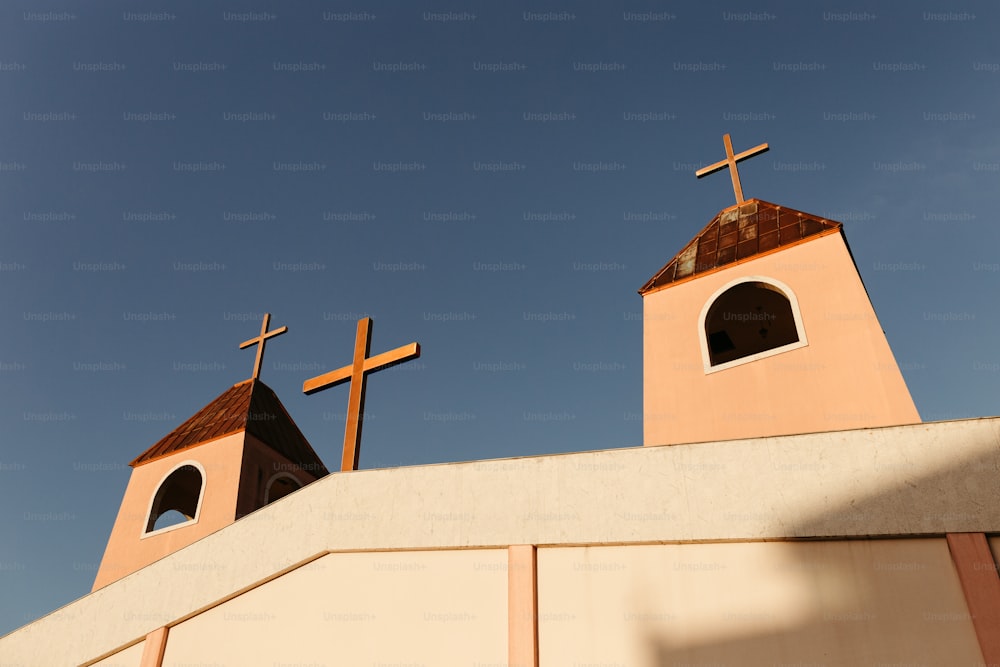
(400, 354)
(256, 339)
(371, 364)
(711, 169)
(331, 379)
(750, 152)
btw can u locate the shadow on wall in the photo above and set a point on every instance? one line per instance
(878, 602)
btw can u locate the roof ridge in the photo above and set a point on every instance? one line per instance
(233, 411)
(298, 441)
(742, 231)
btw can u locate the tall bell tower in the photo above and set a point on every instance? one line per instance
(762, 326)
(235, 455)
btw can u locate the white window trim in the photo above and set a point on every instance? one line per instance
(276, 477)
(796, 314)
(197, 512)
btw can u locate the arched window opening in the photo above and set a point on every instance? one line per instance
(280, 486)
(747, 319)
(176, 501)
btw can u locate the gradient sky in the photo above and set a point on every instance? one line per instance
(494, 180)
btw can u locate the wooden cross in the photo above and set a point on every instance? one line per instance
(730, 162)
(357, 374)
(259, 342)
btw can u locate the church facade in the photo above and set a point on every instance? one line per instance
(788, 507)
(860, 547)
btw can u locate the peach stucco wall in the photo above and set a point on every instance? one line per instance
(127, 550)
(405, 608)
(231, 491)
(838, 603)
(846, 377)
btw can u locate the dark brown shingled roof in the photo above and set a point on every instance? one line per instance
(738, 233)
(249, 406)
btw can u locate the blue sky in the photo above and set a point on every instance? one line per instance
(493, 180)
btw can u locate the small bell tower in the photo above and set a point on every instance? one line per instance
(762, 326)
(235, 455)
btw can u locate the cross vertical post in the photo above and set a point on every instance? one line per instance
(357, 373)
(356, 396)
(730, 162)
(259, 342)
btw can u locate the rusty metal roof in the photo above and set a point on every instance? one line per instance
(738, 233)
(249, 406)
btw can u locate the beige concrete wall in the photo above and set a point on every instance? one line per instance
(925, 479)
(864, 602)
(127, 550)
(846, 377)
(435, 608)
(130, 657)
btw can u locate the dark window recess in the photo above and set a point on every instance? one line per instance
(176, 501)
(280, 488)
(720, 342)
(748, 319)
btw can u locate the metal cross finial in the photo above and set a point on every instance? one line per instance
(730, 162)
(259, 342)
(357, 373)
